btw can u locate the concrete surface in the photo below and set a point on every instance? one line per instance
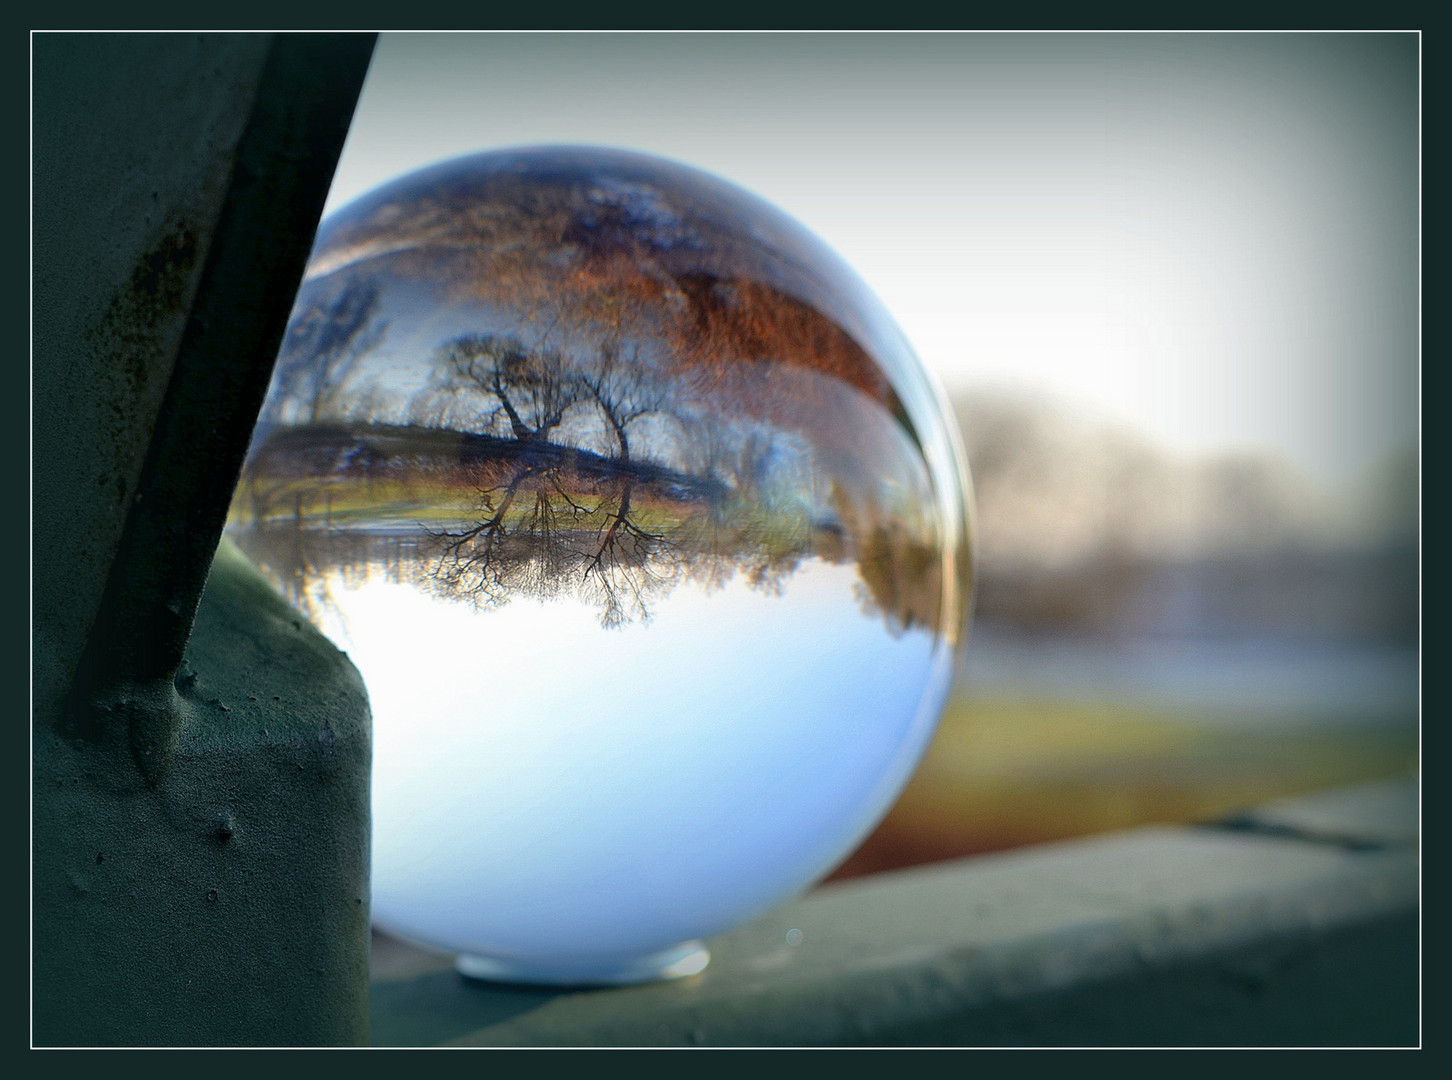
(1159, 936)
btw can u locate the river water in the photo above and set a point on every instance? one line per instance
(1269, 680)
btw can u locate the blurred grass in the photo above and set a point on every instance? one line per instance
(1005, 773)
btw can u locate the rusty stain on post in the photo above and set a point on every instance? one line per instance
(254, 262)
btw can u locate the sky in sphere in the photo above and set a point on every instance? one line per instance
(1211, 238)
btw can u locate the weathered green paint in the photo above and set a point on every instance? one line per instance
(135, 138)
(200, 828)
(281, 165)
(227, 904)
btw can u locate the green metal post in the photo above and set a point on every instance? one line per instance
(199, 762)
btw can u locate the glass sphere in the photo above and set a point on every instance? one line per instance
(647, 532)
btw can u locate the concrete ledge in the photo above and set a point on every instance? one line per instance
(1264, 932)
(1367, 816)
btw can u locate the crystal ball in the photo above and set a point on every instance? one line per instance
(647, 532)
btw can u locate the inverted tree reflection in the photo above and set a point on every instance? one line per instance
(527, 471)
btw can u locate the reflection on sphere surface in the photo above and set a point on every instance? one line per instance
(645, 529)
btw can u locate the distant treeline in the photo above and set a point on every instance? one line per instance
(1085, 528)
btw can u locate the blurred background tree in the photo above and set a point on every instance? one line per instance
(1161, 637)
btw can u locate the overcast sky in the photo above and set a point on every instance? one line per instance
(1211, 237)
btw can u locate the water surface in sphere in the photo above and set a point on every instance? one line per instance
(645, 529)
